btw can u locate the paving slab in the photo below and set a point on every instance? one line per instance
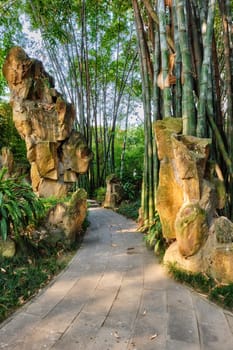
(115, 295)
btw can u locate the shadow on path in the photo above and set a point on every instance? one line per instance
(115, 295)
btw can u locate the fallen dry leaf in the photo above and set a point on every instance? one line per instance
(116, 335)
(21, 300)
(154, 336)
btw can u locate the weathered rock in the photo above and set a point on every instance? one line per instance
(169, 193)
(7, 248)
(191, 228)
(222, 264)
(46, 159)
(208, 200)
(164, 129)
(56, 152)
(68, 217)
(215, 256)
(187, 198)
(222, 228)
(192, 264)
(169, 199)
(114, 192)
(7, 160)
(190, 156)
(50, 188)
(76, 155)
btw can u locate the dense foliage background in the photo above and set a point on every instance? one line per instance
(110, 58)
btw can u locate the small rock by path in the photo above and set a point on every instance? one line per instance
(115, 295)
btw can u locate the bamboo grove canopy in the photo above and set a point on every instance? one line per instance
(173, 55)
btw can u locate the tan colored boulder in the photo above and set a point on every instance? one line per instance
(190, 155)
(47, 159)
(222, 264)
(191, 228)
(7, 160)
(17, 71)
(214, 258)
(163, 130)
(188, 194)
(169, 198)
(70, 216)
(56, 152)
(50, 188)
(193, 264)
(169, 194)
(222, 228)
(76, 155)
(114, 192)
(35, 177)
(70, 176)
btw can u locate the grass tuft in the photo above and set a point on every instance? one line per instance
(22, 277)
(216, 292)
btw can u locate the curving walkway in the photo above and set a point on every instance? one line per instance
(115, 295)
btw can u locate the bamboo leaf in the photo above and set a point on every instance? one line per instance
(3, 227)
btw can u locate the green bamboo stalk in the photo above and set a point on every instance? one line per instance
(148, 190)
(178, 68)
(228, 52)
(219, 141)
(167, 101)
(156, 110)
(188, 107)
(207, 40)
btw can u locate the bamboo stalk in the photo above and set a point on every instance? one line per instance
(208, 37)
(188, 108)
(164, 61)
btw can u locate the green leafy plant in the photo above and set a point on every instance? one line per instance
(100, 194)
(129, 190)
(154, 236)
(201, 282)
(129, 209)
(19, 206)
(52, 201)
(22, 277)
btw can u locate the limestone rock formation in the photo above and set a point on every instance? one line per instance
(56, 152)
(114, 192)
(65, 219)
(7, 160)
(169, 193)
(188, 195)
(191, 228)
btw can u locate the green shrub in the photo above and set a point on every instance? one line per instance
(154, 236)
(52, 201)
(19, 206)
(129, 209)
(129, 191)
(22, 277)
(100, 194)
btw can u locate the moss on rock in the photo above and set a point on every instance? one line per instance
(191, 228)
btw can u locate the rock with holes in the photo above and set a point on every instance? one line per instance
(56, 152)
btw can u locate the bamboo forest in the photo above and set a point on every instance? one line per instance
(127, 104)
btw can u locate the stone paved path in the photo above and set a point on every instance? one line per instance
(115, 295)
